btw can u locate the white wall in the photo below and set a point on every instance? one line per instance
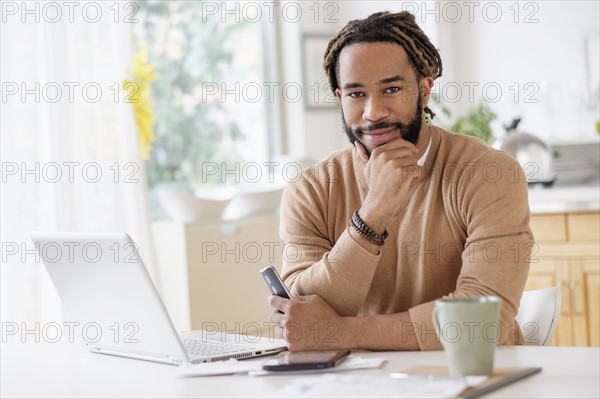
(537, 54)
(312, 133)
(542, 53)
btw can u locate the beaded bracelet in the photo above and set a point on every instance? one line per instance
(361, 227)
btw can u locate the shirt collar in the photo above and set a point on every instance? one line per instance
(423, 158)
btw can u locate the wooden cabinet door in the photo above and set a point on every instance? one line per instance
(591, 287)
(575, 267)
(578, 302)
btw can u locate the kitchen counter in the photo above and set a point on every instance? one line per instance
(564, 199)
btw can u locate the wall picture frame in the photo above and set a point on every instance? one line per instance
(315, 88)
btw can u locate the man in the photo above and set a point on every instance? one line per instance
(408, 214)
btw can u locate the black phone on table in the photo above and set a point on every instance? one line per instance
(307, 360)
(274, 282)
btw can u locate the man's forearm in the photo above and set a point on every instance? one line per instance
(378, 332)
(342, 277)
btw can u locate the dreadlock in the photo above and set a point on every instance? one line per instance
(399, 28)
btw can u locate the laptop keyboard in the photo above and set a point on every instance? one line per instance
(201, 348)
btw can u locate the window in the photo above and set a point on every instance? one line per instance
(209, 97)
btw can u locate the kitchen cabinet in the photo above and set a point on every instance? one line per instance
(567, 254)
(209, 276)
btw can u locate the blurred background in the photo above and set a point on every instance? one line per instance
(180, 122)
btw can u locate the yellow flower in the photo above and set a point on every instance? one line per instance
(140, 96)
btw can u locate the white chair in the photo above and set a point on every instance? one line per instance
(538, 315)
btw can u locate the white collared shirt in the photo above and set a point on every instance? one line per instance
(423, 158)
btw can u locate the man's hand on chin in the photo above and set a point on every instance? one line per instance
(390, 171)
(308, 323)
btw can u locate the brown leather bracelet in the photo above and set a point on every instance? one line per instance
(361, 227)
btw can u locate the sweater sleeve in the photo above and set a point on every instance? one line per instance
(495, 260)
(338, 269)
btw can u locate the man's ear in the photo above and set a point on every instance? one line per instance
(426, 84)
(338, 94)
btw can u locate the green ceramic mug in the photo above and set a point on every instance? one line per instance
(468, 329)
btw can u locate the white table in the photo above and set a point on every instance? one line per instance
(67, 370)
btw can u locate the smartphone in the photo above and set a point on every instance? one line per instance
(274, 282)
(308, 360)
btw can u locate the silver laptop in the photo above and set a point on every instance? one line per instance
(115, 308)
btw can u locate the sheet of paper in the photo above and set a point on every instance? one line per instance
(218, 368)
(361, 386)
(254, 367)
(470, 380)
(352, 363)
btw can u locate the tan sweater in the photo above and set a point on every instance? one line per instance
(464, 231)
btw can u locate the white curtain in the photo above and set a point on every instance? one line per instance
(70, 156)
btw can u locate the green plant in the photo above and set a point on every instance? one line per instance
(476, 122)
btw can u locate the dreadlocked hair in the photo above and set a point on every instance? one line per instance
(400, 28)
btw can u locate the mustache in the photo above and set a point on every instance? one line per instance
(377, 126)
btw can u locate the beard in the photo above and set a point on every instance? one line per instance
(408, 131)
